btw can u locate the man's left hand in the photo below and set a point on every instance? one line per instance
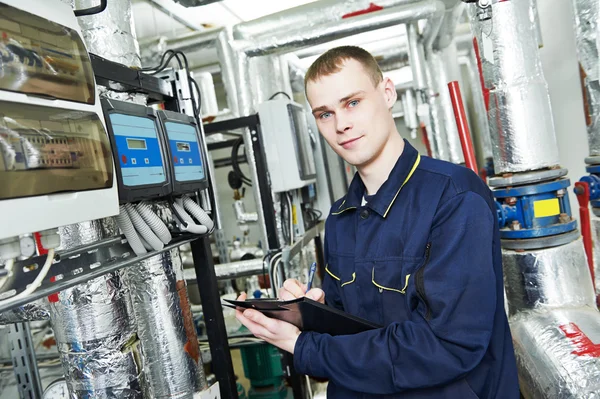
(276, 332)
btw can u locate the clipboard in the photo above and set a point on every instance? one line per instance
(307, 315)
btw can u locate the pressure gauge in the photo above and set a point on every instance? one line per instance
(27, 243)
(57, 390)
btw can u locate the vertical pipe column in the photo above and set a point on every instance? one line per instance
(170, 357)
(93, 326)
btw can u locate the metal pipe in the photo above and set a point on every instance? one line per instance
(307, 16)
(454, 10)
(463, 126)
(416, 63)
(520, 114)
(429, 9)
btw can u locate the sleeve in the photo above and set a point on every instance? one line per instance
(330, 286)
(448, 333)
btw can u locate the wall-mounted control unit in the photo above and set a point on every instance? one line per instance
(185, 152)
(139, 150)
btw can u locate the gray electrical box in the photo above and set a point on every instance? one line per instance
(289, 145)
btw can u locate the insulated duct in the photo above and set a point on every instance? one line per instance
(454, 10)
(520, 115)
(436, 128)
(555, 353)
(111, 35)
(586, 14)
(93, 326)
(554, 321)
(548, 278)
(168, 345)
(308, 16)
(233, 55)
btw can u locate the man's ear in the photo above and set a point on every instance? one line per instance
(390, 92)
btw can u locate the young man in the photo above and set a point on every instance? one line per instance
(414, 246)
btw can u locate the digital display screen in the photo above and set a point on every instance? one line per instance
(183, 147)
(136, 144)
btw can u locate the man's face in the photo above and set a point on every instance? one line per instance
(353, 114)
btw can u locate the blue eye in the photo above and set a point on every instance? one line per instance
(353, 103)
(325, 115)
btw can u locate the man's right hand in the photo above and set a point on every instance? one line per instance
(293, 289)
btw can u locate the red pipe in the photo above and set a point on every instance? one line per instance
(426, 140)
(463, 126)
(582, 190)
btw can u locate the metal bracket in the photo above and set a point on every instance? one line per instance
(74, 267)
(25, 367)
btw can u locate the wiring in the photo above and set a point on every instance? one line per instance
(235, 161)
(92, 10)
(291, 217)
(36, 283)
(280, 92)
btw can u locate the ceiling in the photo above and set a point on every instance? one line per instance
(151, 22)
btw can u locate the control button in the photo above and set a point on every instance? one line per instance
(133, 161)
(175, 159)
(364, 214)
(124, 159)
(181, 160)
(146, 160)
(190, 161)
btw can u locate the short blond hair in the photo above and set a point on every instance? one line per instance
(332, 60)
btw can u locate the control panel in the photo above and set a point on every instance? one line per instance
(139, 151)
(185, 152)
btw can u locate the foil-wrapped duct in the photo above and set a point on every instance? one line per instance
(586, 14)
(33, 311)
(409, 106)
(520, 115)
(168, 345)
(228, 58)
(93, 326)
(556, 353)
(548, 278)
(271, 75)
(110, 33)
(307, 16)
(454, 10)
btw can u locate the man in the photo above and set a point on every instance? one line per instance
(414, 246)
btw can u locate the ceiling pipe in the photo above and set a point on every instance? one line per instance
(309, 15)
(431, 10)
(175, 12)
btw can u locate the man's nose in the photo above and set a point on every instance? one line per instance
(343, 124)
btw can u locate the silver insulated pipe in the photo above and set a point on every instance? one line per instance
(554, 322)
(586, 14)
(93, 326)
(520, 115)
(170, 357)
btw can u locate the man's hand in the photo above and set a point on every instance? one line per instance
(276, 332)
(293, 289)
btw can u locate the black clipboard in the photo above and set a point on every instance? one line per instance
(307, 315)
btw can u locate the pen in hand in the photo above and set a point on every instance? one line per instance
(311, 275)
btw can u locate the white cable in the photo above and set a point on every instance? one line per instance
(8, 265)
(143, 229)
(192, 227)
(198, 213)
(145, 244)
(276, 274)
(36, 283)
(156, 224)
(289, 201)
(127, 228)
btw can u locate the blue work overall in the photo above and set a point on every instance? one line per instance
(422, 258)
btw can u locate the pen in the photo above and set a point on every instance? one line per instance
(311, 275)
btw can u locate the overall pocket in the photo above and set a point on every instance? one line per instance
(391, 278)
